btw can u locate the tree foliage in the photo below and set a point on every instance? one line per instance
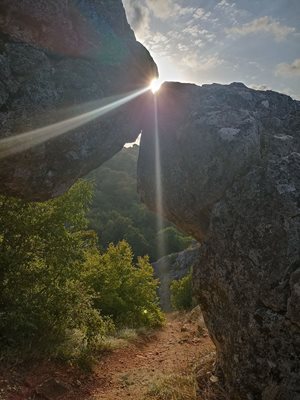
(54, 283)
(125, 291)
(42, 261)
(117, 213)
(181, 293)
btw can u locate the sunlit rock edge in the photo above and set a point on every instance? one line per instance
(230, 173)
(58, 60)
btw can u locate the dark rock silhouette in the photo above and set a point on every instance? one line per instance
(58, 56)
(230, 160)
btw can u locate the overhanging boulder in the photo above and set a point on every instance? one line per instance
(230, 176)
(60, 59)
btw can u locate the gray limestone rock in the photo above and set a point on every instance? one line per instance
(230, 170)
(173, 267)
(58, 59)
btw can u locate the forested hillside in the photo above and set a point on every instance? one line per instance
(117, 213)
(59, 295)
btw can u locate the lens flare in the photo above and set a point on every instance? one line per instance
(155, 85)
(161, 244)
(24, 141)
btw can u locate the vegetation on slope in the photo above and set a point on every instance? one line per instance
(57, 288)
(74, 269)
(117, 213)
(182, 293)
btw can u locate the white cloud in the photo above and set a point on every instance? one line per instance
(166, 9)
(199, 13)
(158, 38)
(192, 30)
(291, 92)
(288, 70)
(201, 34)
(175, 35)
(225, 4)
(200, 64)
(139, 18)
(230, 11)
(190, 61)
(207, 16)
(259, 86)
(160, 9)
(263, 24)
(139, 14)
(182, 47)
(199, 43)
(181, 11)
(256, 65)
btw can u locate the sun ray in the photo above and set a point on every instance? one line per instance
(155, 85)
(24, 141)
(158, 185)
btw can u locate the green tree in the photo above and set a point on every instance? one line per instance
(126, 292)
(43, 295)
(175, 241)
(58, 293)
(181, 293)
(117, 212)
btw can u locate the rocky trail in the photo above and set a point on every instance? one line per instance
(124, 373)
(175, 349)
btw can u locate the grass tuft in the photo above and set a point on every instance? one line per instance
(128, 334)
(173, 387)
(209, 388)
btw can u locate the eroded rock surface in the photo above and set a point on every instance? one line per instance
(57, 56)
(173, 267)
(230, 160)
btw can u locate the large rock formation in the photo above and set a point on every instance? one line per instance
(230, 161)
(56, 57)
(173, 267)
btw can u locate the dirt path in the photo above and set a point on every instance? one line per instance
(128, 373)
(125, 373)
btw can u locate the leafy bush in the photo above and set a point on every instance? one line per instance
(174, 240)
(126, 292)
(181, 293)
(43, 295)
(58, 294)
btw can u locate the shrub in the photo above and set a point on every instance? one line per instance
(174, 240)
(43, 296)
(127, 292)
(181, 293)
(59, 295)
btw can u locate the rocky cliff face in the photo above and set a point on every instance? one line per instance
(56, 57)
(173, 267)
(230, 160)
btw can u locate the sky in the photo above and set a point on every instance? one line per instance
(256, 42)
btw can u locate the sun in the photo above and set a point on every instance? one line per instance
(155, 85)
